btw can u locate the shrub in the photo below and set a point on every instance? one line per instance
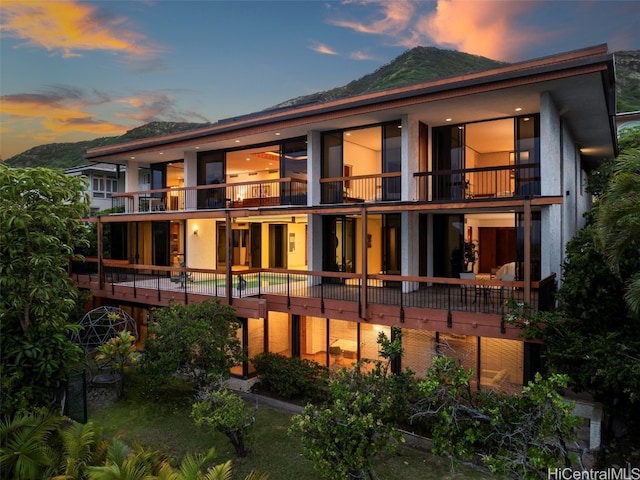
(290, 377)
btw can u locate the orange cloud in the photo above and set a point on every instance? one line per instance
(483, 28)
(70, 27)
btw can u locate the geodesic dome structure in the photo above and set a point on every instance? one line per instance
(102, 324)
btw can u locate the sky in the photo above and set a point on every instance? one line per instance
(78, 70)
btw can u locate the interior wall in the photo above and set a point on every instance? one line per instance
(279, 333)
(315, 340)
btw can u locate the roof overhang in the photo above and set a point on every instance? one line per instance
(581, 83)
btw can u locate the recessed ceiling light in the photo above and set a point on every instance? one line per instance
(197, 148)
(447, 119)
(133, 158)
(277, 134)
(161, 153)
(526, 119)
(518, 109)
(248, 158)
(237, 141)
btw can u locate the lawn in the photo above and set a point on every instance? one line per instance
(158, 418)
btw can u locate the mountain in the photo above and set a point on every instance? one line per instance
(628, 80)
(420, 64)
(65, 155)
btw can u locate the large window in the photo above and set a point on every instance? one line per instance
(497, 158)
(363, 153)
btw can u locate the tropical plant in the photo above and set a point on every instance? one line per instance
(80, 446)
(290, 377)
(27, 446)
(39, 232)
(618, 222)
(514, 436)
(227, 413)
(199, 340)
(343, 436)
(118, 352)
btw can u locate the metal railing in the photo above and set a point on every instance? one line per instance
(382, 187)
(478, 183)
(282, 191)
(451, 294)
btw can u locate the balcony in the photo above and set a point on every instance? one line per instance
(479, 183)
(382, 187)
(283, 191)
(156, 284)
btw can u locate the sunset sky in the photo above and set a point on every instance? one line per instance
(74, 70)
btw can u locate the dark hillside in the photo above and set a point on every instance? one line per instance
(420, 64)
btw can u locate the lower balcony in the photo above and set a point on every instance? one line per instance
(329, 294)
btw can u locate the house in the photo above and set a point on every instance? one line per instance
(103, 180)
(324, 224)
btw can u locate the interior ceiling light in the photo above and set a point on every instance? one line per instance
(447, 119)
(133, 158)
(237, 141)
(518, 109)
(277, 134)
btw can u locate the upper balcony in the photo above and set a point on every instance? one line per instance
(478, 183)
(276, 192)
(382, 187)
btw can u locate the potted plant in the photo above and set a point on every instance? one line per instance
(470, 255)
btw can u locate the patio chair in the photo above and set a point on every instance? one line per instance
(183, 277)
(465, 288)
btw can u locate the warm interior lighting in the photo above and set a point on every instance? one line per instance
(447, 119)
(518, 109)
(195, 230)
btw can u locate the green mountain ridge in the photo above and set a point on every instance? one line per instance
(419, 64)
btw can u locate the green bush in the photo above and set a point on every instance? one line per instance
(290, 377)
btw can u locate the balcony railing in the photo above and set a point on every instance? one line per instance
(478, 183)
(282, 191)
(451, 294)
(382, 187)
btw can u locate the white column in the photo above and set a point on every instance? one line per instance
(132, 183)
(409, 160)
(550, 147)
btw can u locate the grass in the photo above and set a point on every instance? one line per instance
(158, 418)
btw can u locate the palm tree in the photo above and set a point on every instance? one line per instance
(27, 446)
(79, 444)
(618, 221)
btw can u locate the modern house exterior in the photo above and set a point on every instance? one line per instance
(424, 207)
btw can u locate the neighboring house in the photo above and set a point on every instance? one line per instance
(627, 120)
(103, 180)
(325, 224)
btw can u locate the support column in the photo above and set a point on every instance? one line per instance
(527, 251)
(363, 307)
